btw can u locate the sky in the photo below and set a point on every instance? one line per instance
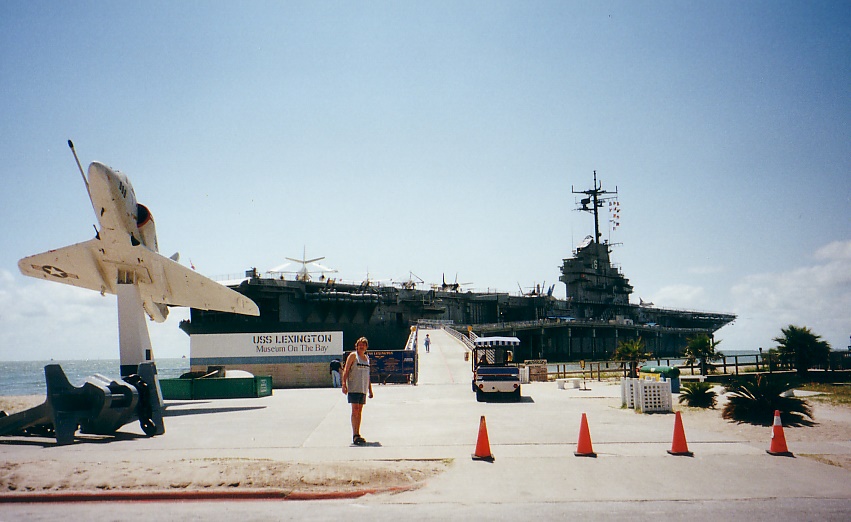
(439, 138)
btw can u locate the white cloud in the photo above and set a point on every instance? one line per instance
(817, 296)
(680, 296)
(41, 320)
(837, 250)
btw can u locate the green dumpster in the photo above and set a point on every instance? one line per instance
(179, 389)
(217, 388)
(662, 373)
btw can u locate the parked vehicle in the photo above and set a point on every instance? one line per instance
(494, 372)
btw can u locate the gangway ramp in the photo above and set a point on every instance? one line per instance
(444, 362)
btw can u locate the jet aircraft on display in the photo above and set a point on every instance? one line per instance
(124, 259)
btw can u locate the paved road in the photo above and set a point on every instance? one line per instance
(535, 475)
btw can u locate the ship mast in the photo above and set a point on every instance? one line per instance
(596, 197)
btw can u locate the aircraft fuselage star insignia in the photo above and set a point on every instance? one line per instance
(55, 272)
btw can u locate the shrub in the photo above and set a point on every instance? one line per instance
(698, 395)
(755, 400)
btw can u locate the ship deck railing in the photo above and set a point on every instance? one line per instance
(467, 340)
(678, 311)
(565, 322)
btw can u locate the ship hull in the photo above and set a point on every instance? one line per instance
(554, 329)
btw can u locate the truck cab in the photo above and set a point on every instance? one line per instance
(494, 372)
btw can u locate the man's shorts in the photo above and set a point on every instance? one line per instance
(357, 398)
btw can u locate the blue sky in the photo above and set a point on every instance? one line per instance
(437, 137)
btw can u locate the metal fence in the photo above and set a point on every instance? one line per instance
(727, 365)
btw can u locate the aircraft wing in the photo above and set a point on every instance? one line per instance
(99, 265)
(181, 286)
(74, 265)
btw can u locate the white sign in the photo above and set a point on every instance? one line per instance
(275, 344)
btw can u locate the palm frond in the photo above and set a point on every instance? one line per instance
(754, 401)
(698, 395)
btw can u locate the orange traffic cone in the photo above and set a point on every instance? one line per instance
(583, 448)
(483, 447)
(679, 446)
(778, 439)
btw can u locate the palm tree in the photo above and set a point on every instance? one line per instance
(755, 401)
(702, 348)
(631, 351)
(801, 345)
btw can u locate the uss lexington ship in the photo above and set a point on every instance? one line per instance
(588, 324)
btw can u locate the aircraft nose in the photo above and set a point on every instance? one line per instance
(99, 174)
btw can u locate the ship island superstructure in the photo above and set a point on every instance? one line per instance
(588, 324)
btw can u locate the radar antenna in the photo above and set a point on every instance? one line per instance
(596, 197)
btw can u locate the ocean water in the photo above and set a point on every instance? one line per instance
(27, 377)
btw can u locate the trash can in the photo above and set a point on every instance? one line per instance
(662, 373)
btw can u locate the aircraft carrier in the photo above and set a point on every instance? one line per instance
(588, 324)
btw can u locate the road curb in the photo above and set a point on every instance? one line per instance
(183, 495)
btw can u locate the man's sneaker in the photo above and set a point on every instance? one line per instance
(358, 440)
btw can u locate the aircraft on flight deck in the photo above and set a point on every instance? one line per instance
(450, 287)
(410, 283)
(304, 273)
(538, 290)
(124, 253)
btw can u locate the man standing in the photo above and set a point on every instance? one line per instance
(427, 343)
(356, 385)
(336, 366)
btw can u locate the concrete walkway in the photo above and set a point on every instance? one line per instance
(535, 473)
